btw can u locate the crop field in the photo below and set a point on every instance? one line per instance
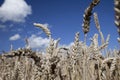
(78, 62)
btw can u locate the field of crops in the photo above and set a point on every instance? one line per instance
(78, 62)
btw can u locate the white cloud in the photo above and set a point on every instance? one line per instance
(14, 37)
(67, 45)
(14, 10)
(38, 42)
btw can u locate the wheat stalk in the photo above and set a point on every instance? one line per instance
(96, 20)
(87, 16)
(57, 42)
(108, 38)
(113, 66)
(50, 49)
(98, 27)
(76, 43)
(44, 28)
(117, 14)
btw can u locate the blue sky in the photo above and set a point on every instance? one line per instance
(63, 17)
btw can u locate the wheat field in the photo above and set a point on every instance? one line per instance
(78, 62)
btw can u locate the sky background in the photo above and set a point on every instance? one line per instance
(63, 17)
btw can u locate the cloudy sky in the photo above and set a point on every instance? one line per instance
(63, 17)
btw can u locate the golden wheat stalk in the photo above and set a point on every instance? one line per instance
(50, 49)
(117, 14)
(76, 43)
(113, 66)
(87, 16)
(108, 38)
(96, 21)
(44, 28)
(98, 27)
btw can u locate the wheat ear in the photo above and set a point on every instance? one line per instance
(87, 16)
(98, 27)
(50, 49)
(44, 28)
(76, 43)
(113, 66)
(117, 14)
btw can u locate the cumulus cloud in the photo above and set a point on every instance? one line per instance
(38, 42)
(14, 37)
(14, 10)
